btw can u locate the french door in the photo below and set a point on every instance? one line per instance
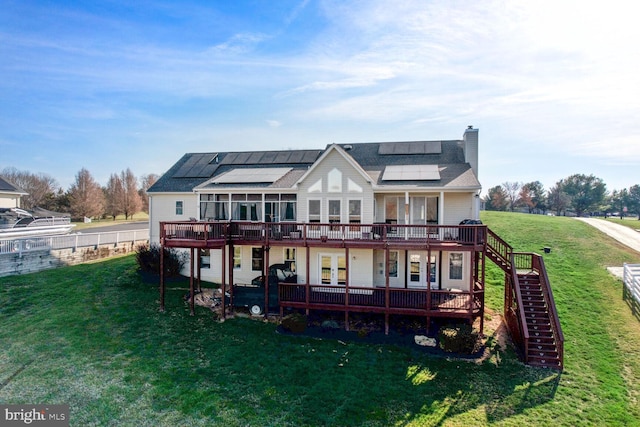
(333, 269)
(422, 270)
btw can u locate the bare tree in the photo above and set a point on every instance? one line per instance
(512, 191)
(113, 193)
(86, 198)
(41, 187)
(131, 201)
(146, 182)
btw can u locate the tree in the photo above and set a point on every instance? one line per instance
(146, 182)
(86, 198)
(131, 201)
(633, 203)
(532, 196)
(496, 199)
(113, 193)
(586, 192)
(512, 190)
(619, 201)
(557, 199)
(40, 186)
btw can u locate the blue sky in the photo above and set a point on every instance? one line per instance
(553, 86)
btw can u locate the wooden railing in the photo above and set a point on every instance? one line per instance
(538, 265)
(517, 307)
(341, 297)
(317, 232)
(498, 250)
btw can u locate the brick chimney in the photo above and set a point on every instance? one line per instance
(470, 139)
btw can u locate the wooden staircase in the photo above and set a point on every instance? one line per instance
(542, 349)
(530, 312)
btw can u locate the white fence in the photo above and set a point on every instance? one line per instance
(73, 241)
(632, 280)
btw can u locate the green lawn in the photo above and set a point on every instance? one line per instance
(631, 222)
(91, 336)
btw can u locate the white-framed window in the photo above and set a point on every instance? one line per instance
(455, 266)
(392, 266)
(334, 211)
(355, 211)
(256, 259)
(237, 257)
(179, 207)
(334, 181)
(290, 258)
(314, 210)
(246, 207)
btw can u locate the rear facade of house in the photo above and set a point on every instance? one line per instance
(385, 227)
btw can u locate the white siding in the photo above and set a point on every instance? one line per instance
(457, 207)
(163, 208)
(335, 160)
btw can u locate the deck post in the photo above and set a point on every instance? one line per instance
(223, 285)
(386, 290)
(231, 252)
(199, 269)
(308, 274)
(191, 287)
(346, 288)
(265, 271)
(161, 268)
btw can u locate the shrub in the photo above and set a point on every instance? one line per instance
(148, 259)
(460, 338)
(295, 322)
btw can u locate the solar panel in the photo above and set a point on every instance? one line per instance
(251, 176)
(411, 173)
(415, 147)
(200, 165)
(271, 157)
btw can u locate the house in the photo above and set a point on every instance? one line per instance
(10, 194)
(385, 227)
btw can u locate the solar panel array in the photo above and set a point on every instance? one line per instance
(415, 147)
(251, 176)
(200, 165)
(271, 157)
(411, 173)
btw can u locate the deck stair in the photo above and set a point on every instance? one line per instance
(530, 311)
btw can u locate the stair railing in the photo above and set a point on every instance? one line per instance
(500, 249)
(538, 264)
(520, 315)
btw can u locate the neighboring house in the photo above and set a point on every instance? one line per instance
(367, 227)
(10, 194)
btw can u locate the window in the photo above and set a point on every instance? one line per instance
(288, 207)
(237, 258)
(455, 266)
(334, 211)
(246, 207)
(393, 264)
(355, 211)
(205, 258)
(271, 208)
(256, 259)
(314, 211)
(214, 207)
(334, 178)
(290, 258)
(179, 207)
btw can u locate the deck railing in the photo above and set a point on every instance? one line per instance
(341, 297)
(306, 232)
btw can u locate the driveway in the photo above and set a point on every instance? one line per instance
(625, 235)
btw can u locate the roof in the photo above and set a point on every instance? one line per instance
(283, 169)
(7, 187)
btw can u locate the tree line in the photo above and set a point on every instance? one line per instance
(577, 194)
(124, 194)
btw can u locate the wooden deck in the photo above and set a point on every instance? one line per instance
(218, 234)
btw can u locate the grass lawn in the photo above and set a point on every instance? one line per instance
(91, 336)
(631, 222)
(140, 216)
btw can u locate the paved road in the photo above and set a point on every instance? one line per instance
(625, 235)
(138, 225)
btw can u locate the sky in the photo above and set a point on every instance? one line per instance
(552, 86)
